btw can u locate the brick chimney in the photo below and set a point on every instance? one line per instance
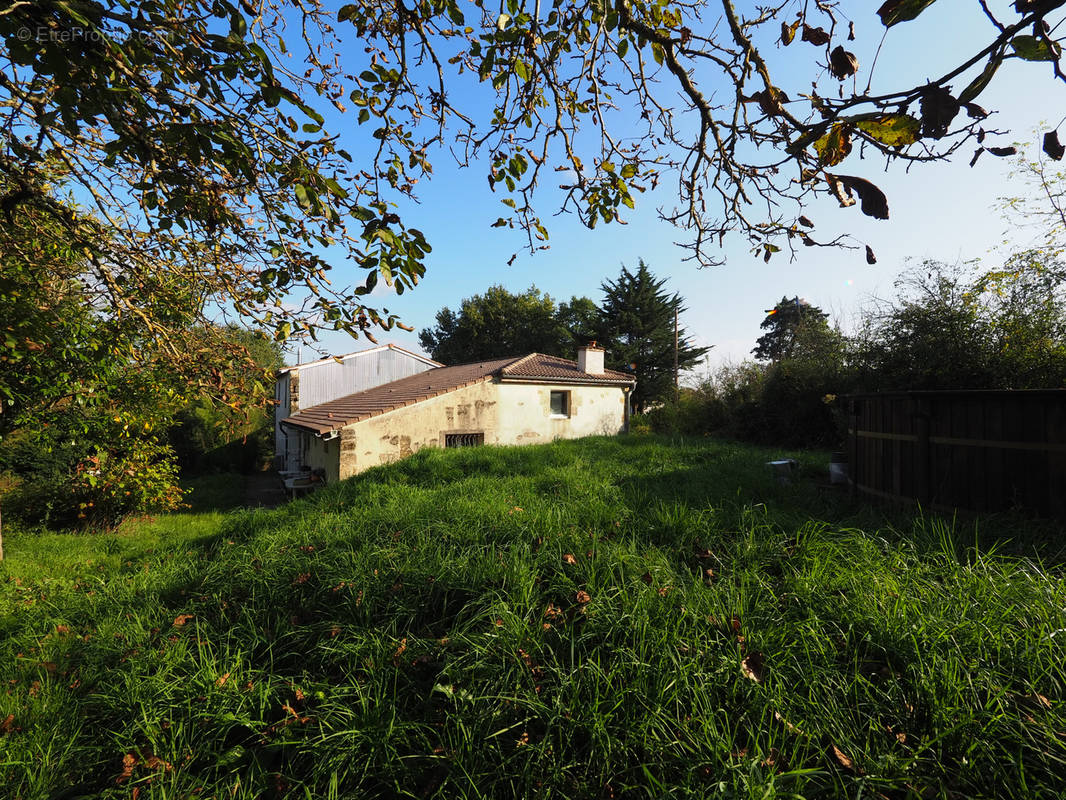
(590, 359)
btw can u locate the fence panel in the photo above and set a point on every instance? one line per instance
(983, 450)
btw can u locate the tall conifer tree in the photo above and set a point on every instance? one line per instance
(639, 320)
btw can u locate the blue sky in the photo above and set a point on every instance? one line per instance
(939, 211)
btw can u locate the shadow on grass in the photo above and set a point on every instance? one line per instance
(224, 491)
(739, 478)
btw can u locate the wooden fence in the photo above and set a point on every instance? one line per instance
(978, 450)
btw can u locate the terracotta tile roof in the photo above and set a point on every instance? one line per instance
(356, 407)
(538, 365)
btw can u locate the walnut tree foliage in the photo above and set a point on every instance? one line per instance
(193, 134)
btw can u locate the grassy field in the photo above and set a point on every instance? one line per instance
(604, 618)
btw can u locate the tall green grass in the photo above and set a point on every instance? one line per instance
(603, 618)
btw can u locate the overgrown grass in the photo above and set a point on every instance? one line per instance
(603, 618)
(37, 555)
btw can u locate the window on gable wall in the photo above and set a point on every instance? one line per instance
(560, 404)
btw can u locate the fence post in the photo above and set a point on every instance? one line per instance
(922, 454)
(853, 444)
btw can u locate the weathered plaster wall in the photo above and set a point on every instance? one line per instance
(400, 433)
(505, 413)
(525, 413)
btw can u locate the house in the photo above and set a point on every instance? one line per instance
(327, 379)
(531, 399)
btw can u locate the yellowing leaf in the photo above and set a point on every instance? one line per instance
(834, 146)
(788, 32)
(893, 130)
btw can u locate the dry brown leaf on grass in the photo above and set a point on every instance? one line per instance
(753, 666)
(181, 619)
(773, 760)
(222, 680)
(582, 597)
(8, 725)
(569, 558)
(843, 760)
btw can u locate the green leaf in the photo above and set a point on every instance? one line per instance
(336, 188)
(981, 81)
(895, 11)
(1031, 48)
(894, 130)
(302, 197)
(623, 46)
(386, 236)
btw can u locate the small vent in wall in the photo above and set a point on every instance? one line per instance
(463, 439)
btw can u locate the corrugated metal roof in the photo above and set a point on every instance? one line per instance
(356, 407)
(357, 353)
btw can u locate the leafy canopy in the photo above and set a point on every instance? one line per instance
(202, 134)
(498, 324)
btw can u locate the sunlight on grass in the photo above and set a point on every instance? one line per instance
(603, 618)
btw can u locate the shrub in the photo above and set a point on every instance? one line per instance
(58, 483)
(137, 476)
